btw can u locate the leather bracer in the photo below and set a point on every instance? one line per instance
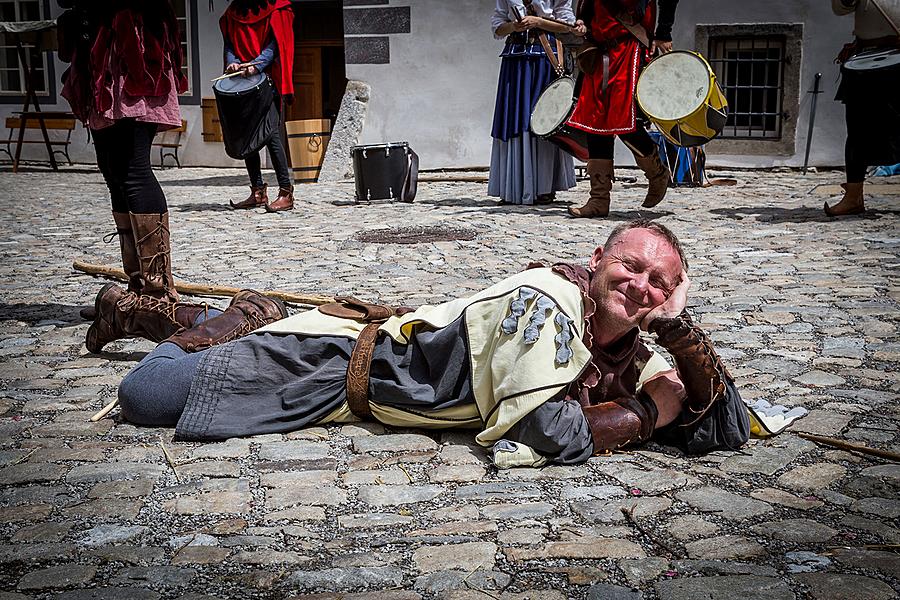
(620, 422)
(699, 367)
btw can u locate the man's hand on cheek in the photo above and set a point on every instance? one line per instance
(673, 305)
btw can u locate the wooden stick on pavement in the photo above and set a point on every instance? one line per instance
(203, 290)
(851, 447)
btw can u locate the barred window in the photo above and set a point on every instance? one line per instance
(12, 73)
(751, 72)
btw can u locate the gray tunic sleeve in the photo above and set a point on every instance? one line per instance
(556, 429)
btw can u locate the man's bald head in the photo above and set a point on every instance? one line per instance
(653, 226)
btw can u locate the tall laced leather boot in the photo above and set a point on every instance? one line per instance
(657, 177)
(257, 198)
(851, 204)
(601, 174)
(121, 313)
(249, 310)
(151, 238)
(284, 201)
(130, 264)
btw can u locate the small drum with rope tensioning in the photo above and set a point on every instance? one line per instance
(678, 92)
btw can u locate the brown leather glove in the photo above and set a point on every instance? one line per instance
(622, 421)
(699, 367)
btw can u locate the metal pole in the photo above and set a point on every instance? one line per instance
(812, 120)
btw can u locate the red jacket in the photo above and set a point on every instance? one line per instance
(250, 33)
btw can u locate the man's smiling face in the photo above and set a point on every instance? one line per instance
(631, 278)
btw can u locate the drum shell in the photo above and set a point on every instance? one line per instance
(307, 140)
(249, 118)
(699, 127)
(380, 170)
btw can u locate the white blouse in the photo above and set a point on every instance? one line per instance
(555, 9)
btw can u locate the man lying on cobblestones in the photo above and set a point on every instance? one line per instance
(548, 364)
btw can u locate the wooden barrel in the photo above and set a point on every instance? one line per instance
(307, 141)
(212, 130)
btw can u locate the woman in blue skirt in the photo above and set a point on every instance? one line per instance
(526, 169)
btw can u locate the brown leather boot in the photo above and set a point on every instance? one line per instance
(284, 201)
(601, 176)
(256, 198)
(699, 366)
(151, 237)
(852, 203)
(249, 310)
(130, 264)
(121, 313)
(621, 422)
(657, 176)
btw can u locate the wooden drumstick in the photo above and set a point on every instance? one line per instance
(227, 75)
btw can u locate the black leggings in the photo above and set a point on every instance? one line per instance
(638, 141)
(123, 155)
(279, 162)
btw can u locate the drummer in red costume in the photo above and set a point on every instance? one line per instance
(259, 37)
(621, 30)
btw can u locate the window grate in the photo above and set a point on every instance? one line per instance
(751, 73)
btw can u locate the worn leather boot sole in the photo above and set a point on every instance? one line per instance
(245, 204)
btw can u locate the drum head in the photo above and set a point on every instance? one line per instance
(553, 106)
(673, 86)
(873, 59)
(238, 84)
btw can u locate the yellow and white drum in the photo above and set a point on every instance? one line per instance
(678, 92)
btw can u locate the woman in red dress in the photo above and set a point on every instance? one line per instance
(606, 106)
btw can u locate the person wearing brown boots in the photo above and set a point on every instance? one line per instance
(258, 37)
(621, 32)
(123, 83)
(548, 364)
(871, 99)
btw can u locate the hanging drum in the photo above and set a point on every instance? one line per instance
(247, 113)
(550, 117)
(678, 92)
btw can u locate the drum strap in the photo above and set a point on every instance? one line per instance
(555, 61)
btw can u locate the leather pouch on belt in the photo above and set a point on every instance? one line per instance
(588, 56)
(348, 307)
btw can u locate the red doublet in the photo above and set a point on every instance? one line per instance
(250, 33)
(611, 111)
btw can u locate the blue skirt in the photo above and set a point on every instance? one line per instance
(524, 166)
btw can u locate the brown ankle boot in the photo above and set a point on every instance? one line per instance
(125, 314)
(657, 176)
(248, 311)
(151, 237)
(601, 176)
(853, 202)
(256, 198)
(284, 201)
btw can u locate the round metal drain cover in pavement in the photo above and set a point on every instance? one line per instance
(415, 235)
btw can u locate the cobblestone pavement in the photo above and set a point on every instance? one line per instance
(803, 308)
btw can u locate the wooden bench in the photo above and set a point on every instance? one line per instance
(66, 124)
(168, 142)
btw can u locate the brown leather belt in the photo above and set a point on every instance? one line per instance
(358, 372)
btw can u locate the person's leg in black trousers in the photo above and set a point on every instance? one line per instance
(258, 196)
(285, 199)
(853, 202)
